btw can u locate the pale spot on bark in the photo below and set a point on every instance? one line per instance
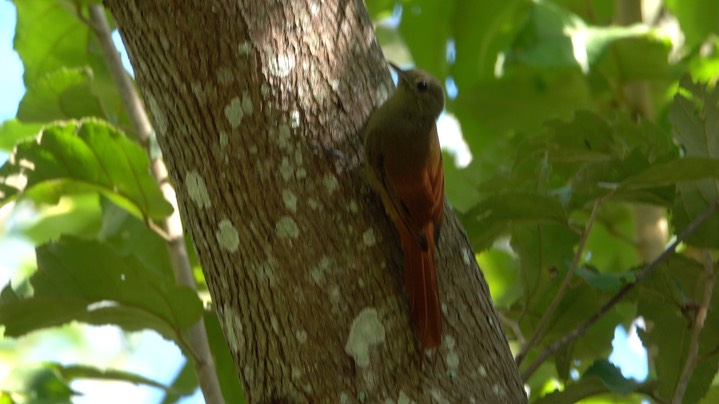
(233, 325)
(290, 200)
(286, 227)
(467, 257)
(449, 342)
(452, 362)
(301, 336)
(275, 324)
(157, 116)
(294, 118)
(381, 94)
(344, 398)
(223, 139)
(498, 390)
(227, 236)
(403, 398)
(286, 169)
(331, 183)
(318, 272)
(283, 136)
(301, 173)
(335, 294)
(482, 371)
(366, 331)
(224, 76)
(313, 204)
(197, 189)
(369, 238)
(282, 65)
(233, 112)
(247, 103)
(354, 208)
(298, 157)
(253, 149)
(265, 90)
(244, 48)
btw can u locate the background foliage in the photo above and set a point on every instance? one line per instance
(563, 159)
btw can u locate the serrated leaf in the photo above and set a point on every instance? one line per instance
(80, 157)
(87, 281)
(12, 131)
(61, 94)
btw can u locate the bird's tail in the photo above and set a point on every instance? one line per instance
(420, 277)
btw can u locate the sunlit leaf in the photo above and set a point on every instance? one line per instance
(87, 281)
(82, 157)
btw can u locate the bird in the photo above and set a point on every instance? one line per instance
(404, 163)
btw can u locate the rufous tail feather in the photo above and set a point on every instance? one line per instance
(420, 276)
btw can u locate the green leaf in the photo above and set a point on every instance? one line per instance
(502, 273)
(87, 281)
(230, 384)
(602, 377)
(698, 19)
(77, 215)
(129, 236)
(668, 301)
(65, 72)
(72, 372)
(482, 31)
(49, 37)
(606, 282)
(81, 157)
(695, 116)
(673, 172)
(611, 376)
(494, 216)
(61, 94)
(425, 28)
(12, 131)
(184, 384)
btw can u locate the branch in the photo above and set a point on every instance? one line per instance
(171, 226)
(571, 336)
(692, 355)
(544, 322)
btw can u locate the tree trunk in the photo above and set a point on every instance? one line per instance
(259, 108)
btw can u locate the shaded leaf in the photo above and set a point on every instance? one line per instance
(61, 94)
(494, 216)
(606, 282)
(82, 157)
(695, 116)
(668, 300)
(87, 281)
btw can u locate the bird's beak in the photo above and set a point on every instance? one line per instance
(401, 73)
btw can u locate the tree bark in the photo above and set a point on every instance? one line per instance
(259, 108)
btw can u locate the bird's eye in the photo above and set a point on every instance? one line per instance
(422, 85)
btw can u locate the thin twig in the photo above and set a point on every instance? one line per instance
(580, 330)
(171, 228)
(544, 322)
(692, 356)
